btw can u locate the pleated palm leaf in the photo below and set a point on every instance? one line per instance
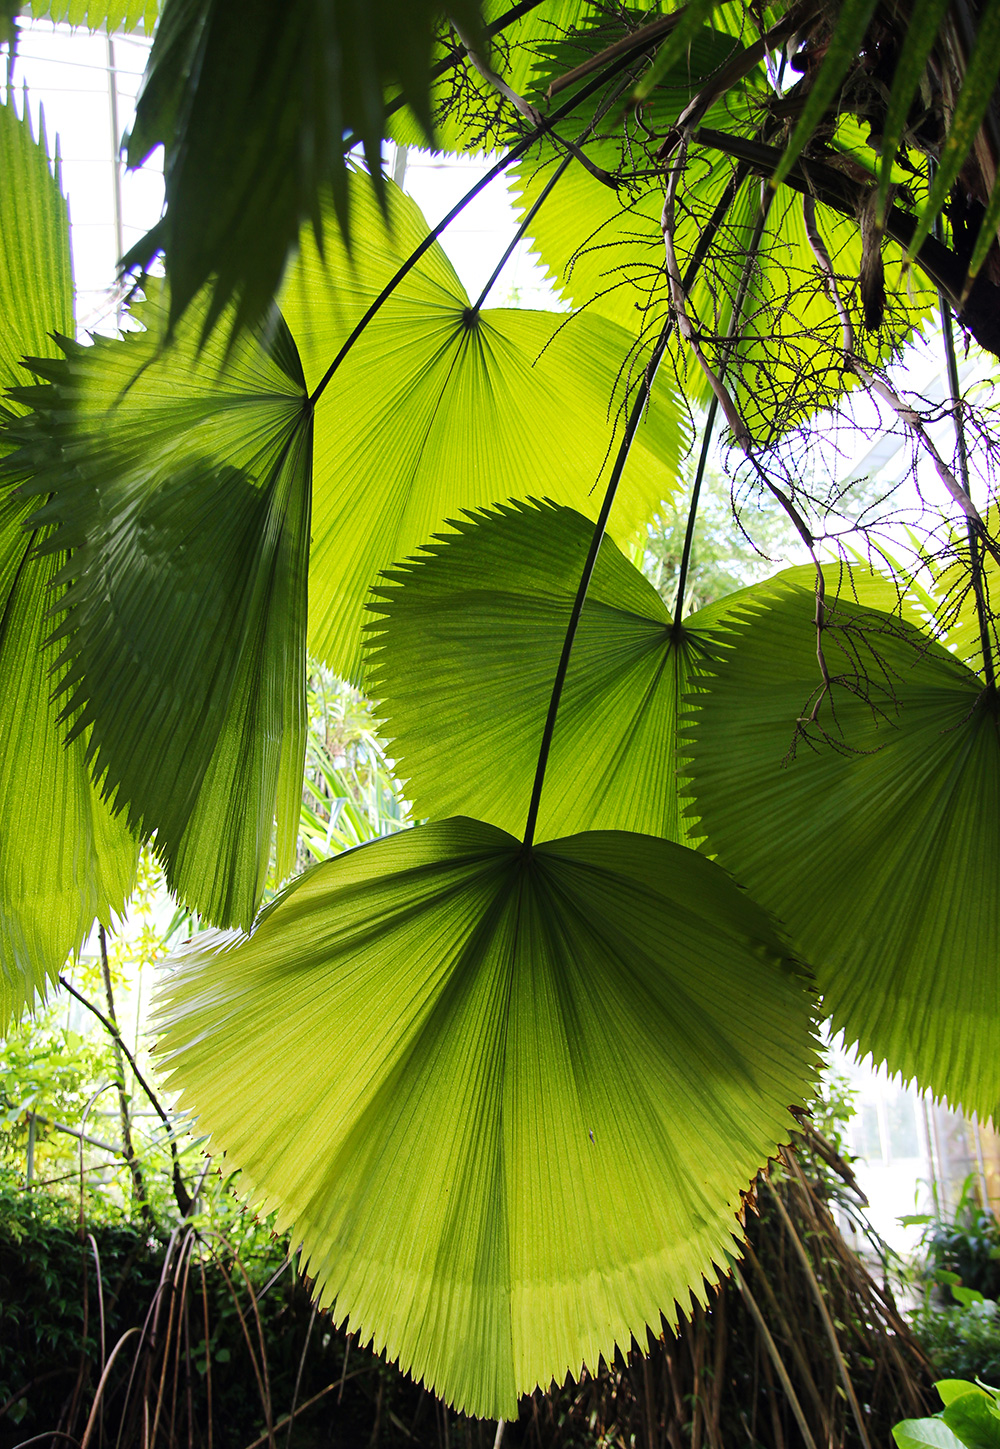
(64, 860)
(462, 658)
(510, 1088)
(508, 1099)
(206, 488)
(863, 814)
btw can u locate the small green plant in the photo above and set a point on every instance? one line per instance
(964, 1340)
(970, 1419)
(964, 1250)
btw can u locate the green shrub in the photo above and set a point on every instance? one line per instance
(963, 1342)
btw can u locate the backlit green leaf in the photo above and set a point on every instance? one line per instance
(463, 659)
(871, 833)
(605, 251)
(434, 1056)
(63, 859)
(694, 14)
(439, 408)
(468, 113)
(110, 15)
(464, 652)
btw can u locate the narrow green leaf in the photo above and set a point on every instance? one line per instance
(974, 97)
(872, 833)
(922, 28)
(181, 481)
(454, 1049)
(852, 22)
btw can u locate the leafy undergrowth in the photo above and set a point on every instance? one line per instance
(207, 1339)
(957, 1321)
(962, 1342)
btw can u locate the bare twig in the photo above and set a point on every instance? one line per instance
(528, 111)
(729, 74)
(740, 431)
(99, 1396)
(679, 304)
(628, 45)
(879, 387)
(138, 1184)
(181, 1195)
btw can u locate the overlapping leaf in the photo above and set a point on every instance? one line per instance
(439, 407)
(252, 104)
(63, 859)
(463, 660)
(182, 483)
(872, 833)
(184, 480)
(464, 652)
(434, 1056)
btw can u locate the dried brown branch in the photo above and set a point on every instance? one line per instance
(637, 41)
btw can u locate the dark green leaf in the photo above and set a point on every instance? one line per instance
(974, 1419)
(252, 102)
(181, 481)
